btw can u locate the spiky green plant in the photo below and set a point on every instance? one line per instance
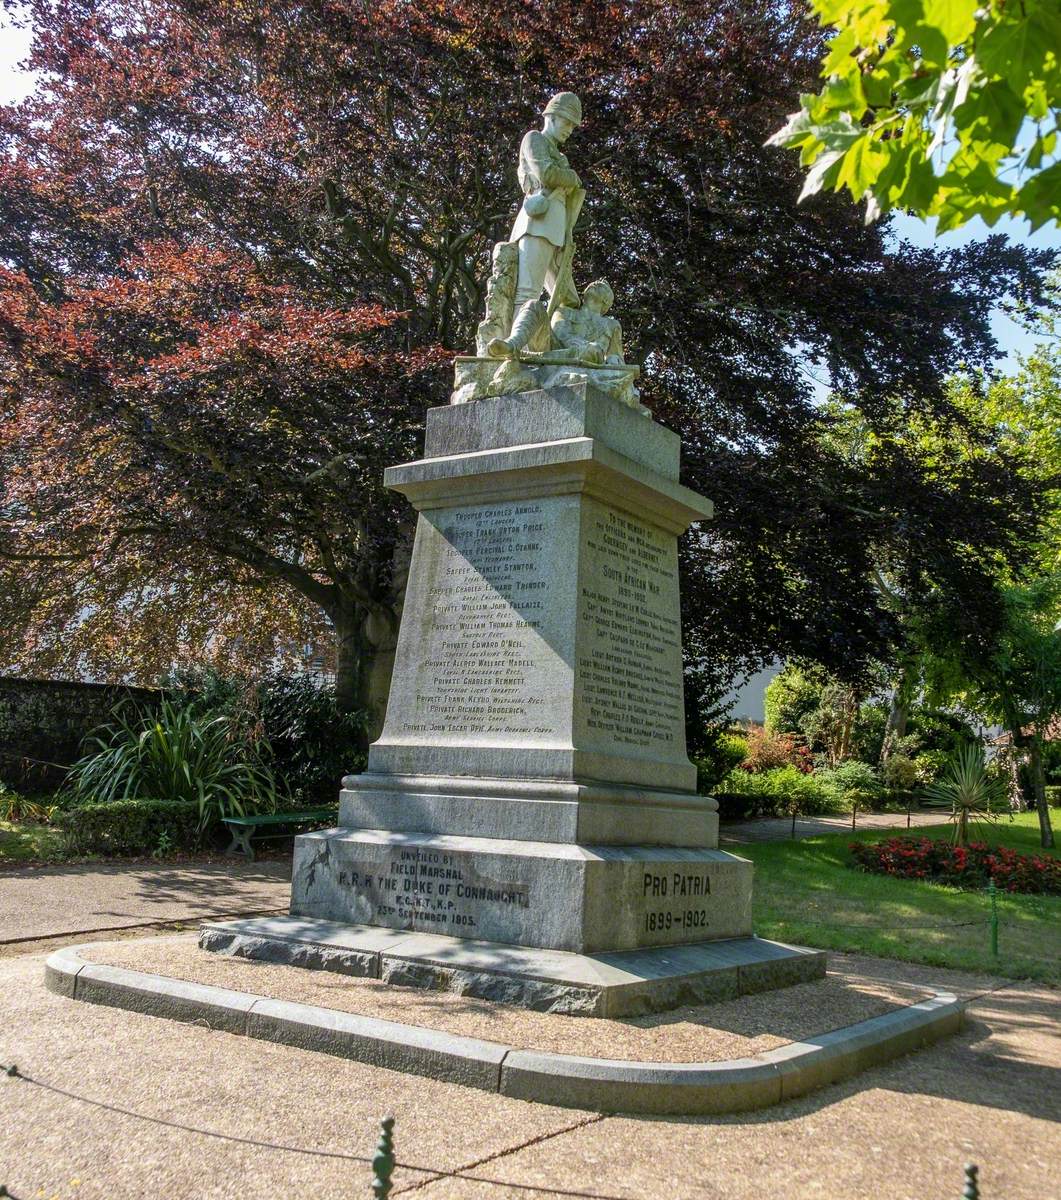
(972, 794)
(176, 752)
(17, 808)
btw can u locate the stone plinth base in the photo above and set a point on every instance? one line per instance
(528, 810)
(626, 983)
(548, 895)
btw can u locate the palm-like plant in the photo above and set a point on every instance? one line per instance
(969, 791)
(178, 752)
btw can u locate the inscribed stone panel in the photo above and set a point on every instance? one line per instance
(486, 641)
(629, 665)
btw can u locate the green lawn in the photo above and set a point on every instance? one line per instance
(807, 892)
(28, 842)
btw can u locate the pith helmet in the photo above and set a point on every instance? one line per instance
(566, 104)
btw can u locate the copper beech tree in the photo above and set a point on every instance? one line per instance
(193, 447)
(240, 242)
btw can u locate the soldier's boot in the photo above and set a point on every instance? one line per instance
(531, 320)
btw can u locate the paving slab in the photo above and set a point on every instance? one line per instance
(597, 1084)
(53, 901)
(991, 1095)
(189, 1075)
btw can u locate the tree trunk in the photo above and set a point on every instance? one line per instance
(850, 712)
(1035, 763)
(365, 644)
(898, 714)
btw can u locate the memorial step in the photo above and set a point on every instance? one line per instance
(624, 983)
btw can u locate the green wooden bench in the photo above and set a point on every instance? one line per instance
(271, 825)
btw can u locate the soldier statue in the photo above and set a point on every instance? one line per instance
(524, 342)
(545, 220)
(552, 199)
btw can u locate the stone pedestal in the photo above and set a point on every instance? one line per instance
(531, 786)
(550, 895)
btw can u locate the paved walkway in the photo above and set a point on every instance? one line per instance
(779, 829)
(903, 1130)
(53, 901)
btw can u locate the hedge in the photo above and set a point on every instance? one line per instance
(772, 793)
(131, 827)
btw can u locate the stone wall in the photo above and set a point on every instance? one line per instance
(43, 721)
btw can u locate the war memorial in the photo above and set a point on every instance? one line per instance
(528, 828)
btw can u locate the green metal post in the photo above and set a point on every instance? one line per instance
(971, 1191)
(992, 891)
(383, 1160)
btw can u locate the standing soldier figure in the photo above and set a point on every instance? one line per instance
(552, 196)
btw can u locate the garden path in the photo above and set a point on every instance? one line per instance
(48, 902)
(779, 829)
(903, 1130)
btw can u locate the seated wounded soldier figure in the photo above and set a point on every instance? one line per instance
(594, 337)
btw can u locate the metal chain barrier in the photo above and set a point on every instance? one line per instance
(383, 1163)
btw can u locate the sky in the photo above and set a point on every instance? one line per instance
(1013, 340)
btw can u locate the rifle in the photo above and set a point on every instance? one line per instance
(564, 279)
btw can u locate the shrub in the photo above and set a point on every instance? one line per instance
(900, 772)
(175, 753)
(967, 867)
(768, 750)
(857, 782)
(720, 754)
(18, 808)
(732, 806)
(313, 744)
(792, 695)
(776, 792)
(132, 827)
(867, 732)
(309, 744)
(969, 790)
(929, 764)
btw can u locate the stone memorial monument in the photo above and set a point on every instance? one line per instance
(528, 827)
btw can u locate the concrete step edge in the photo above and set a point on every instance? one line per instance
(601, 1085)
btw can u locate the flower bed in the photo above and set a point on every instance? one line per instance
(959, 866)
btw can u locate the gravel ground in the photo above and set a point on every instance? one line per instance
(900, 1131)
(708, 1033)
(52, 901)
